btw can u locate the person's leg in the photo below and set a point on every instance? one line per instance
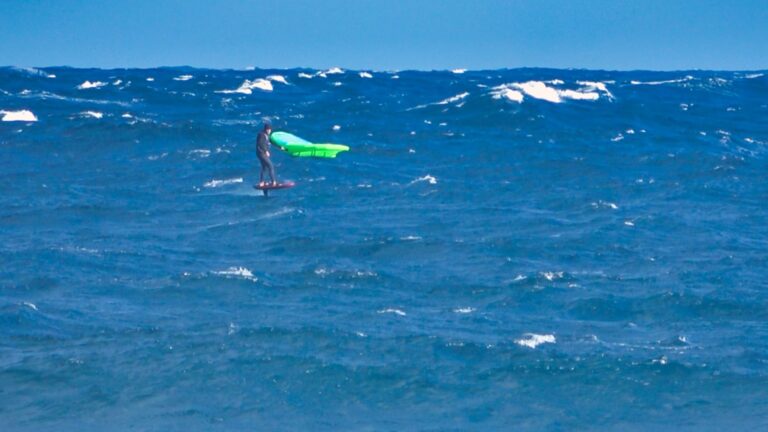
(271, 169)
(264, 166)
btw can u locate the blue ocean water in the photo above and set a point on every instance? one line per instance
(527, 249)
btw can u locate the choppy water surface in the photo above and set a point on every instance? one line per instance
(524, 249)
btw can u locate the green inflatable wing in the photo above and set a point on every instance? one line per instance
(296, 146)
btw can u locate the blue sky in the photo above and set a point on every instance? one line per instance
(387, 35)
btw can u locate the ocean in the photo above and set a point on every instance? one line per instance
(522, 249)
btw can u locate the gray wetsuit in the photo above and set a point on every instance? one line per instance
(262, 148)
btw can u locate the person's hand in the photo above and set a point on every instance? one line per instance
(268, 155)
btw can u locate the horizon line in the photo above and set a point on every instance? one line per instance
(462, 69)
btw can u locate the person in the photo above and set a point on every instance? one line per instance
(262, 151)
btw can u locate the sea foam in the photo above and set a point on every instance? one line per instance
(278, 78)
(532, 340)
(247, 86)
(91, 85)
(22, 115)
(92, 114)
(237, 272)
(218, 183)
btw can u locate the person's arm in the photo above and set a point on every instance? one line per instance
(262, 144)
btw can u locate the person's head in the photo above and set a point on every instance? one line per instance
(267, 127)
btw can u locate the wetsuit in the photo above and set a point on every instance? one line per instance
(262, 149)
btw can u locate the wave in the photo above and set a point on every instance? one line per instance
(446, 101)
(247, 87)
(32, 71)
(504, 92)
(278, 78)
(673, 81)
(54, 96)
(540, 90)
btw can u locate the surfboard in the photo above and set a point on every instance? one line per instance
(269, 186)
(300, 147)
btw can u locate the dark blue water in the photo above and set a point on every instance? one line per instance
(521, 249)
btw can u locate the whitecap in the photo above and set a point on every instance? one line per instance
(217, 183)
(183, 78)
(336, 127)
(445, 101)
(21, 115)
(532, 340)
(331, 71)
(33, 71)
(458, 71)
(503, 91)
(93, 114)
(686, 78)
(247, 86)
(30, 305)
(237, 272)
(578, 95)
(278, 78)
(550, 276)
(392, 311)
(337, 84)
(464, 310)
(427, 178)
(150, 79)
(596, 85)
(539, 90)
(753, 76)
(617, 138)
(117, 82)
(200, 152)
(90, 85)
(365, 75)
(453, 99)
(304, 75)
(601, 203)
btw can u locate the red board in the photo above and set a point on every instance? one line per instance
(270, 186)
